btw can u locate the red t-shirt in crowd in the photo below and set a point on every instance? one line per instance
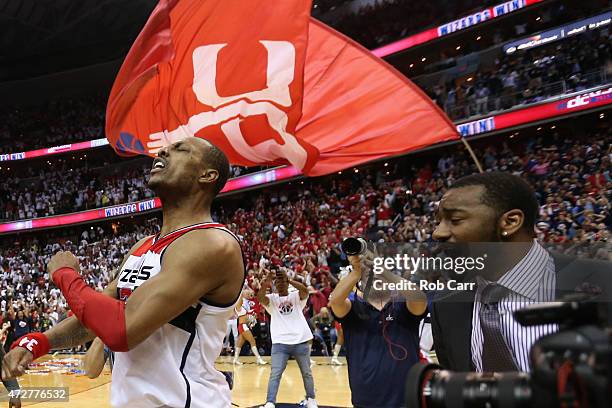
(384, 213)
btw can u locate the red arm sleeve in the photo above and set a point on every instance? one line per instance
(102, 314)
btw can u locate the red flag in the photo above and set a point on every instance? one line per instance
(266, 84)
(358, 108)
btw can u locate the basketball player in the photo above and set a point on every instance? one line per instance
(244, 331)
(165, 315)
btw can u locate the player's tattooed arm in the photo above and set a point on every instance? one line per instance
(66, 334)
(70, 332)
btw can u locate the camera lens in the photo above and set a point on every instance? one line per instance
(353, 246)
(429, 387)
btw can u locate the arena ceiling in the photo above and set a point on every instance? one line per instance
(42, 36)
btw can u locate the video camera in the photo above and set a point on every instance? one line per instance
(570, 368)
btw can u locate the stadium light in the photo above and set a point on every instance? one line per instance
(478, 38)
(423, 59)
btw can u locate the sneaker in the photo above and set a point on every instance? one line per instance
(268, 405)
(311, 403)
(261, 361)
(236, 362)
(335, 361)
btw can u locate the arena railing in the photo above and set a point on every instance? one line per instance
(555, 107)
(474, 106)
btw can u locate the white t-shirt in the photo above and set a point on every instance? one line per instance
(288, 324)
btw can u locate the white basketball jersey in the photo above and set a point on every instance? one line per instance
(174, 367)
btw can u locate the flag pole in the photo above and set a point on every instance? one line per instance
(469, 149)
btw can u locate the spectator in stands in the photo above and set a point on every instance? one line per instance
(575, 173)
(22, 325)
(530, 76)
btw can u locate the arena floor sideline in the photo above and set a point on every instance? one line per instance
(250, 383)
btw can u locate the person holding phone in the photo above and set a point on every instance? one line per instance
(290, 332)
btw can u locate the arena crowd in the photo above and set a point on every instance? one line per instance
(529, 77)
(300, 229)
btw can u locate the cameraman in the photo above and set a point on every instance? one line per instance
(381, 340)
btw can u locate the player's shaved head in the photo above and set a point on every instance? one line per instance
(215, 159)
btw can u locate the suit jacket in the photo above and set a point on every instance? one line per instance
(451, 312)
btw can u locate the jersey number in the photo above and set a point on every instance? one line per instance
(131, 275)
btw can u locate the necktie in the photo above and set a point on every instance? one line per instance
(496, 354)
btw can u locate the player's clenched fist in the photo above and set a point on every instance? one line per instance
(16, 362)
(61, 260)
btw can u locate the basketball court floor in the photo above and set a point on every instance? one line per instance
(250, 383)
